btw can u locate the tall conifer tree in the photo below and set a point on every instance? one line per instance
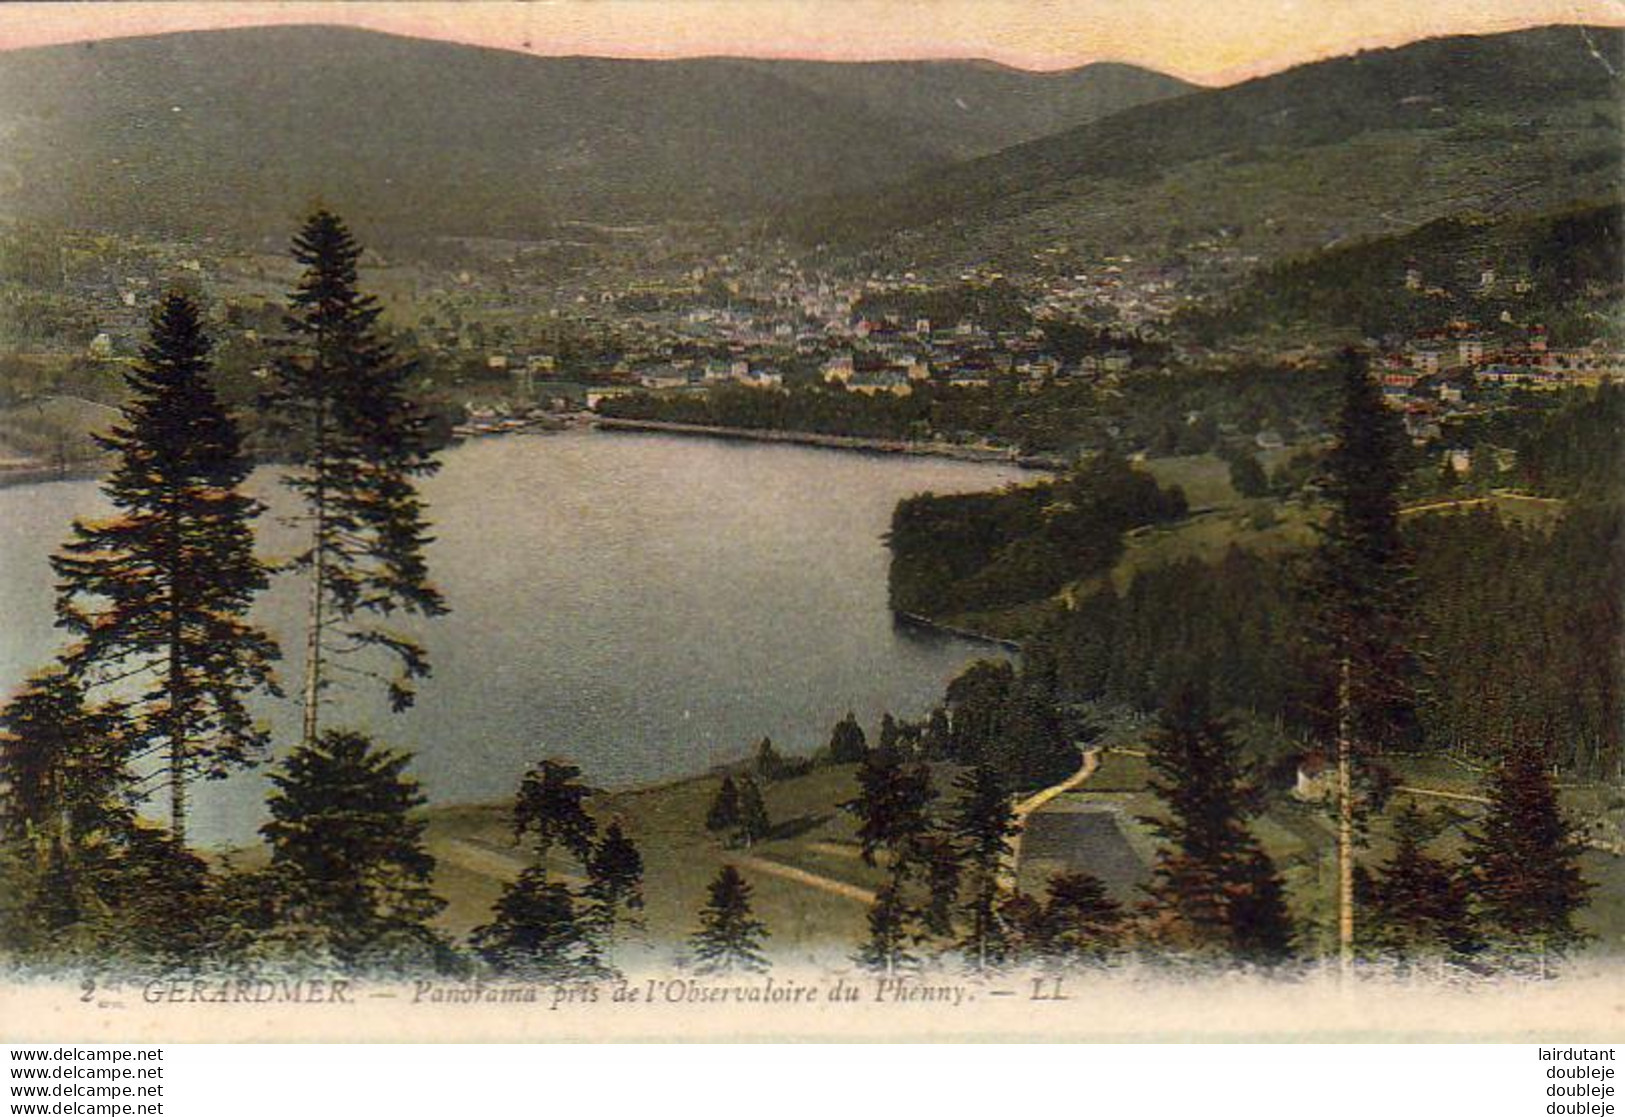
(730, 937)
(161, 590)
(1525, 859)
(983, 824)
(64, 811)
(1417, 905)
(347, 851)
(539, 928)
(1363, 645)
(1214, 890)
(360, 446)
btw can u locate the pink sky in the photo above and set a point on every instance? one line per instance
(1204, 40)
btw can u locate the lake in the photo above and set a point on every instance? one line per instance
(643, 605)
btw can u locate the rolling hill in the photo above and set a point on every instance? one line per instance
(1562, 270)
(1371, 143)
(243, 129)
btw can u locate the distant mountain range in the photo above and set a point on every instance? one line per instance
(243, 129)
(1373, 143)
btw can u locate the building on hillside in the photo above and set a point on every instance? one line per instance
(1316, 780)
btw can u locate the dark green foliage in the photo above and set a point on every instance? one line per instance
(541, 929)
(550, 809)
(1213, 892)
(723, 814)
(730, 938)
(1065, 420)
(892, 805)
(769, 764)
(359, 446)
(348, 857)
(1228, 628)
(1572, 256)
(614, 878)
(1514, 617)
(1081, 923)
(1416, 906)
(980, 551)
(1077, 924)
(1578, 449)
(1035, 749)
(754, 823)
(1361, 583)
(65, 817)
(982, 823)
(978, 702)
(1012, 721)
(1247, 476)
(537, 932)
(163, 589)
(1525, 860)
(887, 947)
(847, 741)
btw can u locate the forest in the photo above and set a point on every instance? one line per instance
(1171, 411)
(982, 551)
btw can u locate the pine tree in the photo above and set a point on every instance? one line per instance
(537, 932)
(1363, 596)
(64, 813)
(847, 742)
(1525, 859)
(937, 740)
(348, 857)
(359, 446)
(541, 929)
(161, 591)
(887, 948)
(1080, 922)
(891, 734)
(1417, 906)
(730, 938)
(1213, 890)
(722, 817)
(769, 764)
(754, 823)
(892, 805)
(983, 823)
(1034, 748)
(614, 879)
(938, 856)
(551, 809)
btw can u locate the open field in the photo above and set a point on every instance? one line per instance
(477, 856)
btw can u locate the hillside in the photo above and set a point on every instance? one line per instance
(1562, 270)
(244, 129)
(1355, 146)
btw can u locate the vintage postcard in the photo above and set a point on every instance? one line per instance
(865, 519)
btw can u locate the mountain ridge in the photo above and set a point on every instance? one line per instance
(235, 127)
(1489, 99)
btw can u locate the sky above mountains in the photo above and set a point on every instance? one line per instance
(1212, 41)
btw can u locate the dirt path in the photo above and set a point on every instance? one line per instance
(1457, 796)
(802, 876)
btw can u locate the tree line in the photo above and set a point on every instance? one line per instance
(975, 552)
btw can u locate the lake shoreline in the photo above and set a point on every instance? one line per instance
(982, 454)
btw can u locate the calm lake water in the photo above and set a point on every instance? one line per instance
(643, 605)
